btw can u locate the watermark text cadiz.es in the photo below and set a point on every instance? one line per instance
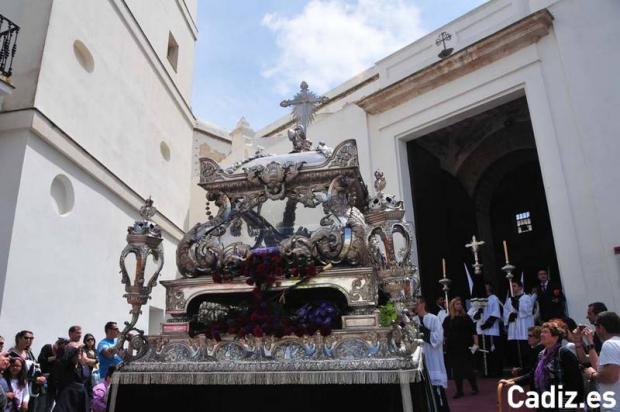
(558, 398)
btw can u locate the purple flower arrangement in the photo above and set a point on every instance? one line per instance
(265, 315)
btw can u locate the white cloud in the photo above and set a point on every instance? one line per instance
(333, 40)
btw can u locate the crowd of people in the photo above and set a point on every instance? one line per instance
(529, 333)
(72, 374)
(528, 340)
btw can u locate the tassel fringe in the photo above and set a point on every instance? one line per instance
(268, 378)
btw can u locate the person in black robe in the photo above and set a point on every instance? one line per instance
(71, 394)
(461, 343)
(551, 300)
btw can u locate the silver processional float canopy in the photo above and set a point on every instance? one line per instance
(286, 299)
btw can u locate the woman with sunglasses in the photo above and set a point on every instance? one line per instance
(90, 357)
(522, 376)
(90, 351)
(23, 343)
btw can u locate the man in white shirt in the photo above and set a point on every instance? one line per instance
(432, 334)
(607, 374)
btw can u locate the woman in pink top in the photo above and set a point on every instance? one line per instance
(100, 392)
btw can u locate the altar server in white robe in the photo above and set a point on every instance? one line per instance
(432, 332)
(518, 315)
(442, 314)
(487, 326)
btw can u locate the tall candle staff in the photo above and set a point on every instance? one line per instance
(445, 281)
(508, 268)
(479, 302)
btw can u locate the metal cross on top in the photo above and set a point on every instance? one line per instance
(444, 36)
(475, 245)
(304, 104)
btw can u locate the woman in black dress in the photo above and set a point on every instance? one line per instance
(460, 337)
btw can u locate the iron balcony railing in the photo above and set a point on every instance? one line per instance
(8, 45)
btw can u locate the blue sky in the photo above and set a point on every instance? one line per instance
(251, 54)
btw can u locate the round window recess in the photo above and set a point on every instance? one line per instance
(165, 150)
(62, 195)
(83, 56)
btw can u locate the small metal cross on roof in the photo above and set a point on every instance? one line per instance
(444, 36)
(304, 104)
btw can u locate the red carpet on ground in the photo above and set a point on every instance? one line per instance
(485, 401)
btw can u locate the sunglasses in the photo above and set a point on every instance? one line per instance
(91, 339)
(28, 337)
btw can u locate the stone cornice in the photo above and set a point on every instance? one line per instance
(510, 39)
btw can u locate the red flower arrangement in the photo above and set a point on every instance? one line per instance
(265, 315)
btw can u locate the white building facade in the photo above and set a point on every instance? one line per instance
(99, 120)
(556, 54)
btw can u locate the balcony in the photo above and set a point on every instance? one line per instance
(8, 46)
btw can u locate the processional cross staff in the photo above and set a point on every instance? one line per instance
(475, 245)
(304, 104)
(479, 303)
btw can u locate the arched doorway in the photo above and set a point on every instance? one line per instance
(475, 177)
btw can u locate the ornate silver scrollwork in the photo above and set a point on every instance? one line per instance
(175, 299)
(297, 136)
(395, 268)
(143, 241)
(345, 155)
(273, 176)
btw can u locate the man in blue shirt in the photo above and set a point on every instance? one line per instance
(106, 352)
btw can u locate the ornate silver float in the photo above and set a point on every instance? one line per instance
(362, 246)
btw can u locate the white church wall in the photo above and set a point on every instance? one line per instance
(465, 30)
(12, 148)
(579, 67)
(63, 268)
(160, 18)
(191, 5)
(32, 16)
(347, 123)
(122, 108)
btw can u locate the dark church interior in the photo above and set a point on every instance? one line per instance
(481, 176)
